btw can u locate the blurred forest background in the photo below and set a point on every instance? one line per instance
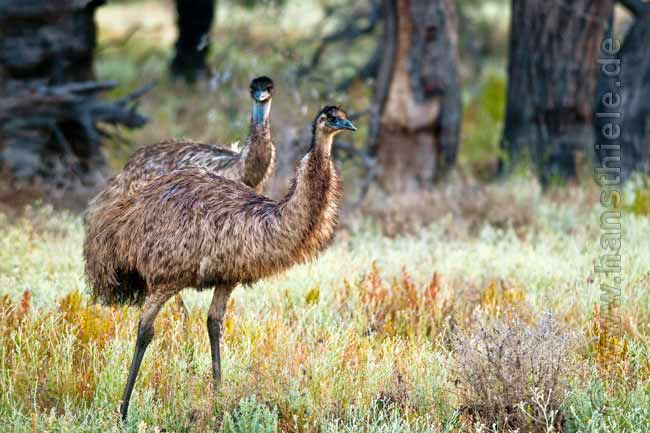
(87, 82)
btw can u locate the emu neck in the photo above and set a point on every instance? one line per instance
(310, 206)
(259, 152)
(321, 145)
(276, 235)
(260, 115)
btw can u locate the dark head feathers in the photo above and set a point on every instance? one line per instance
(262, 83)
(330, 111)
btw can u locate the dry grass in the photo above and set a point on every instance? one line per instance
(360, 340)
(471, 206)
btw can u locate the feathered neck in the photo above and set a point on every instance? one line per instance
(258, 154)
(321, 144)
(310, 208)
(293, 230)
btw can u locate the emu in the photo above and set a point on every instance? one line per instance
(253, 165)
(193, 228)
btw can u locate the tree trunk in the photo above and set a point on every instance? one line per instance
(623, 129)
(552, 70)
(48, 112)
(415, 130)
(194, 21)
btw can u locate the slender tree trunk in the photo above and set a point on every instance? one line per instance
(49, 114)
(414, 133)
(623, 136)
(194, 21)
(552, 70)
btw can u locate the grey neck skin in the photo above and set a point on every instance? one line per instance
(261, 111)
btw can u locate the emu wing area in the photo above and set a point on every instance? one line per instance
(193, 228)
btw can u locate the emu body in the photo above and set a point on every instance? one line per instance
(193, 228)
(199, 230)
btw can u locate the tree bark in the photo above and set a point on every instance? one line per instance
(194, 21)
(552, 70)
(49, 114)
(631, 141)
(414, 132)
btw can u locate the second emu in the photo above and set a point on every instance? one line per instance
(252, 166)
(192, 228)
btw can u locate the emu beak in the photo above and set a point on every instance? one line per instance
(345, 124)
(261, 95)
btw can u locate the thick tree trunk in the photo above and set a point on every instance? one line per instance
(623, 128)
(49, 115)
(415, 131)
(194, 21)
(552, 70)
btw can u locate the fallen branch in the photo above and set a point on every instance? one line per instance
(43, 105)
(65, 119)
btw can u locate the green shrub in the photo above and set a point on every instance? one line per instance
(251, 417)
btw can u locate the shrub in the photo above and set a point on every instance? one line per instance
(610, 349)
(514, 376)
(502, 299)
(251, 417)
(399, 307)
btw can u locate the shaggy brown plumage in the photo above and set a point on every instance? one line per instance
(252, 166)
(193, 228)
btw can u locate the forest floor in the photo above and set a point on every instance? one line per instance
(439, 311)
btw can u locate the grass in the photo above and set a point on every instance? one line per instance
(357, 341)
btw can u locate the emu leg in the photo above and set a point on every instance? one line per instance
(151, 309)
(215, 323)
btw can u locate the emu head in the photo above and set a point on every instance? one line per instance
(261, 89)
(330, 121)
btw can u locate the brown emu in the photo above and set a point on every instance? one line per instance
(192, 228)
(252, 166)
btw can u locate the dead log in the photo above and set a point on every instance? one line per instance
(51, 116)
(54, 131)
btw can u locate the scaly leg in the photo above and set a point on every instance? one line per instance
(151, 309)
(215, 323)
